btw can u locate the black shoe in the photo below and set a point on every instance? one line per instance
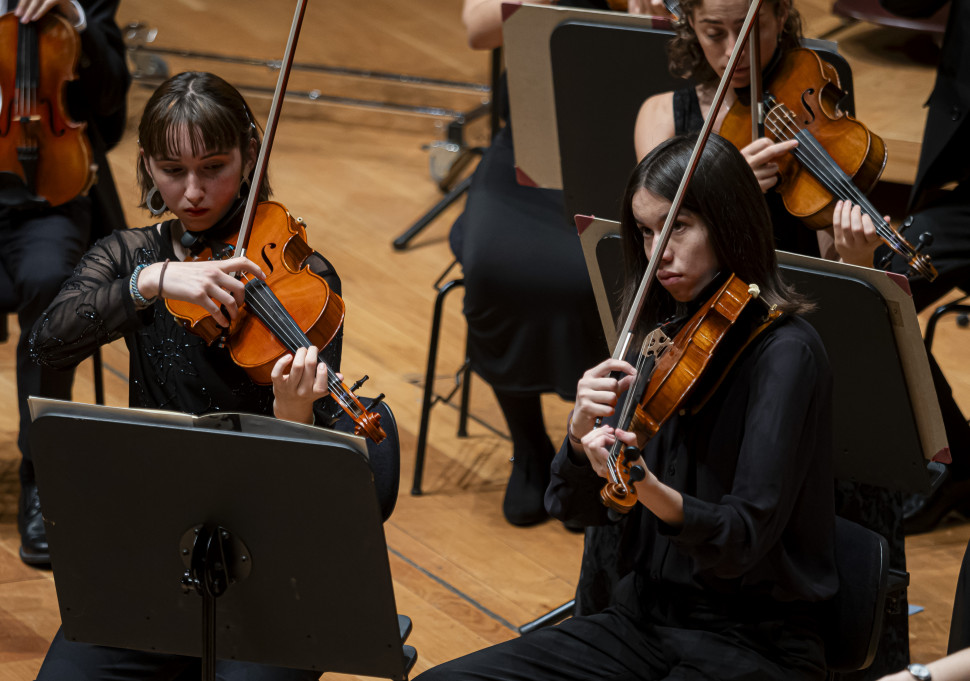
(524, 503)
(33, 538)
(922, 513)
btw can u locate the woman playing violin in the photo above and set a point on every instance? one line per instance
(732, 538)
(198, 145)
(700, 50)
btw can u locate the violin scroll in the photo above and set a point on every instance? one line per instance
(620, 494)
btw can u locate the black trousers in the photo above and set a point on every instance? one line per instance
(84, 662)
(674, 640)
(38, 251)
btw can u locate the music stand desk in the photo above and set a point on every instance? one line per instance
(123, 488)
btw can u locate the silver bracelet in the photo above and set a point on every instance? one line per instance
(140, 300)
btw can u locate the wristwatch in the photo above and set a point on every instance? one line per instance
(920, 671)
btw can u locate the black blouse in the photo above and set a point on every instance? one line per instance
(754, 465)
(169, 368)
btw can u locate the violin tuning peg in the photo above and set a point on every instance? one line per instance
(925, 240)
(637, 473)
(375, 402)
(359, 383)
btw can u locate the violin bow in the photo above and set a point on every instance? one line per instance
(754, 84)
(270, 131)
(626, 333)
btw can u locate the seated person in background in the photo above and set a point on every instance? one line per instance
(526, 289)
(40, 244)
(733, 535)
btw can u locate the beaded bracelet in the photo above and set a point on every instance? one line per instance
(140, 300)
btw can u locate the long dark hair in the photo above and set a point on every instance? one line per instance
(725, 195)
(214, 113)
(686, 58)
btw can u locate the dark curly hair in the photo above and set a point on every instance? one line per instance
(686, 58)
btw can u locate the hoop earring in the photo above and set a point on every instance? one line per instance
(154, 201)
(244, 187)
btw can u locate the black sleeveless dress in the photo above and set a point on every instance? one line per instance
(533, 325)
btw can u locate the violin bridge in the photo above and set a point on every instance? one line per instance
(656, 343)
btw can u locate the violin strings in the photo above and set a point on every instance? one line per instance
(267, 305)
(821, 164)
(270, 310)
(818, 161)
(26, 49)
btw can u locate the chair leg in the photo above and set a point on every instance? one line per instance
(401, 242)
(554, 616)
(956, 306)
(428, 399)
(466, 384)
(98, 377)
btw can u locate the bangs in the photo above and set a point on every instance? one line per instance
(210, 128)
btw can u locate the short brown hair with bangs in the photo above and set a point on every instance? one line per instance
(214, 113)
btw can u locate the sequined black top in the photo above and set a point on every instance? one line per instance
(169, 368)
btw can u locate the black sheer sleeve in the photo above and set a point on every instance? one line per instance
(94, 306)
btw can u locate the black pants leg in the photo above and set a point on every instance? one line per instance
(39, 251)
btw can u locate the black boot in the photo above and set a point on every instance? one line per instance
(30, 521)
(532, 455)
(523, 504)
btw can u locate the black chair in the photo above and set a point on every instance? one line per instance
(854, 616)
(429, 398)
(959, 307)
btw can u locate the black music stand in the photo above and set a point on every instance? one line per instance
(297, 539)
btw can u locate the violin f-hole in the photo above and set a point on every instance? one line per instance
(808, 93)
(267, 263)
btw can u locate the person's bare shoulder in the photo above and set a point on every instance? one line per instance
(655, 123)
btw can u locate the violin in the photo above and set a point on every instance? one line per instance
(678, 366)
(294, 307)
(44, 154)
(837, 157)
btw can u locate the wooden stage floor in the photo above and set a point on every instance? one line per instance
(359, 179)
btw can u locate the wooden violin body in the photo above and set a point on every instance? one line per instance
(677, 370)
(837, 157)
(39, 143)
(806, 90)
(278, 245)
(293, 308)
